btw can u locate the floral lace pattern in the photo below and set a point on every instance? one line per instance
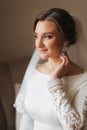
(67, 114)
(19, 104)
(85, 113)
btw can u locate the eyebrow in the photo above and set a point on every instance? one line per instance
(45, 33)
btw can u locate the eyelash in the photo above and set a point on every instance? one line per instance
(35, 36)
(46, 36)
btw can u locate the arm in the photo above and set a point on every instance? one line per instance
(70, 115)
(23, 120)
(26, 123)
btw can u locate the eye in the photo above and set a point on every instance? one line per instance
(48, 36)
(35, 36)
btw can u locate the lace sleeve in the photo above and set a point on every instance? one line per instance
(19, 104)
(71, 118)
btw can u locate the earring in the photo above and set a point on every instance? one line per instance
(64, 49)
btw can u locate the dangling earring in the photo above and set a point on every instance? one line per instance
(64, 49)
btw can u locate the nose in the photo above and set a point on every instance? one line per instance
(39, 42)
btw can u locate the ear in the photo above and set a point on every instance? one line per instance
(66, 43)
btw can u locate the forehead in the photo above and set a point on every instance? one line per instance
(43, 26)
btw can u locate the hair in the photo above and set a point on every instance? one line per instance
(63, 21)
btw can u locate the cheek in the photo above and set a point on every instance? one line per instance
(35, 44)
(57, 46)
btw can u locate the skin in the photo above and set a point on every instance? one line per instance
(49, 43)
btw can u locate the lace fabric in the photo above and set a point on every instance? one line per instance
(19, 104)
(67, 114)
(85, 113)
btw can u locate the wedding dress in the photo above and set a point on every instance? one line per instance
(50, 105)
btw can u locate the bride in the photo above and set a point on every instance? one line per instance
(53, 95)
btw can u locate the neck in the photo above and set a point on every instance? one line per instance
(53, 63)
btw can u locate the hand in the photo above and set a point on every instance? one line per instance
(62, 69)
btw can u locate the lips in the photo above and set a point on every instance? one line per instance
(43, 50)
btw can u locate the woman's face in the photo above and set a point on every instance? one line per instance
(48, 39)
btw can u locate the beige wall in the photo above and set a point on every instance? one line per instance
(17, 16)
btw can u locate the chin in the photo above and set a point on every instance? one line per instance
(43, 57)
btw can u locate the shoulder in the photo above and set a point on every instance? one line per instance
(81, 81)
(78, 82)
(81, 78)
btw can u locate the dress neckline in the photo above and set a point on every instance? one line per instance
(76, 75)
(41, 72)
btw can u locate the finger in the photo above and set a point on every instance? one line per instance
(66, 60)
(63, 60)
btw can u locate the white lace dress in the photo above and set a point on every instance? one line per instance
(50, 105)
